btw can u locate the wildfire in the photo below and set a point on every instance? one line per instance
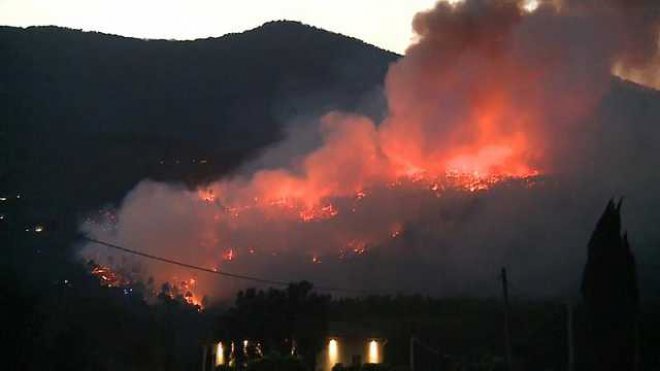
(476, 182)
(206, 194)
(325, 212)
(185, 290)
(229, 254)
(531, 5)
(107, 276)
(357, 246)
(396, 230)
(332, 206)
(483, 99)
(295, 206)
(323, 209)
(188, 287)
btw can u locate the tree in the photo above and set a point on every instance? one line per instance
(279, 319)
(610, 293)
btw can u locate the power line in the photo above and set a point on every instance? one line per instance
(211, 271)
(185, 265)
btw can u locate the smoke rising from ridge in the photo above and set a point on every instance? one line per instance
(502, 142)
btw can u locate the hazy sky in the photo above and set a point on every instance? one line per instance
(385, 23)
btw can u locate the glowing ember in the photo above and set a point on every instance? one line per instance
(107, 276)
(396, 231)
(206, 195)
(326, 212)
(228, 255)
(357, 246)
(188, 288)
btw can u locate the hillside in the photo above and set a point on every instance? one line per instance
(87, 115)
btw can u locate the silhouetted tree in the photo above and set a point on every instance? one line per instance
(610, 292)
(278, 318)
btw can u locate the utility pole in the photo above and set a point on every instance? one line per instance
(412, 353)
(569, 336)
(507, 333)
(205, 351)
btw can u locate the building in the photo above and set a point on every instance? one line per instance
(346, 344)
(230, 353)
(350, 345)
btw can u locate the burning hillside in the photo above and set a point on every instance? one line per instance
(494, 97)
(175, 289)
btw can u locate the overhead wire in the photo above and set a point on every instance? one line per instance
(213, 271)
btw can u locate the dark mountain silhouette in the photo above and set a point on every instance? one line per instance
(87, 115)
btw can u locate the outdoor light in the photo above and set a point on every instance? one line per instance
(333, 352)
(219, 355)
(374, 357)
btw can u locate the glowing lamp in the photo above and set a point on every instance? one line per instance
(219, 355)
(333, 352)
(374, 354)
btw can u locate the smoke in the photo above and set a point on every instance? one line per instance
(505, 135)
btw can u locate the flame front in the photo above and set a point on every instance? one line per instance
(182, 290)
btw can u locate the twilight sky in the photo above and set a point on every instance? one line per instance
(385, 23)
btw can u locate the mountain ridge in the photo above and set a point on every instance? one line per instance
(267, 24)
(78, 105)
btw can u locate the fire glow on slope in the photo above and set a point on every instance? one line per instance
(357, 155)
(330, 208)
(340, 219)
(175, 289)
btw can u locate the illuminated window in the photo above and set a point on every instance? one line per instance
(374, 353)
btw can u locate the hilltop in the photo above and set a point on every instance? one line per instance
(86, 115)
